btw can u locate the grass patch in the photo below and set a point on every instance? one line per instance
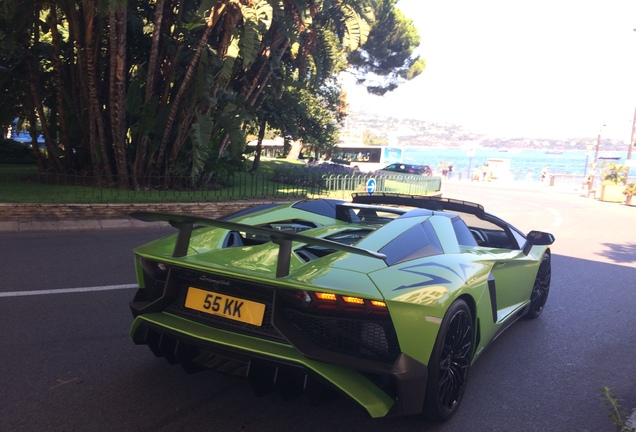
(19, 169)
(24, 184)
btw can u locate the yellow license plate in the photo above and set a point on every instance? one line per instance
(226, 306)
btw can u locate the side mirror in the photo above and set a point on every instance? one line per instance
(537, 238)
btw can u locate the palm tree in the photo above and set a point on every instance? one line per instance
(223, 10)
(175, 91)
(58, 71)
(35, 94)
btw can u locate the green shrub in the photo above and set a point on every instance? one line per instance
(613, 173)
(12, 152)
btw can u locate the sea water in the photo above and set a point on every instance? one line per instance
(525, 164)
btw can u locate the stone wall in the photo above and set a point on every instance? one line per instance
(39, 212)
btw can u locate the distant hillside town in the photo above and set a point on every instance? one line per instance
(365, 128)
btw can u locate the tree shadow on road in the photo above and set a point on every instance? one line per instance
(620, 253)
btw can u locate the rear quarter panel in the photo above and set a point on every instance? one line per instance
(418, 293)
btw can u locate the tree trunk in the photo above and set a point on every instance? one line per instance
(59, 87)
(78, 88)
(98, 144)
(140, 159)
(181, 136)
(260, 78)
(154, 50)
(259, 145)
(33, 119)
(214, 18)
(39, 110)
(279, 44)
(34, 82)
(117, 33)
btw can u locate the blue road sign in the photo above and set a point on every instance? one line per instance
(371, 186)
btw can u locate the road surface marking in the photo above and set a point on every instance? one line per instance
(67, 290)
(558, 219)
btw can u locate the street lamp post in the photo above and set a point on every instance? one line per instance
(471, 152)
(598, 143)
(631, 145)
(588, 147)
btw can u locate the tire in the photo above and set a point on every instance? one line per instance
(541, 287)
(450, 362)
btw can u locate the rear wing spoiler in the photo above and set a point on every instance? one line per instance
(429, 202)
(185, 224)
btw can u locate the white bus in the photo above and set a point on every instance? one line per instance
(366, 158)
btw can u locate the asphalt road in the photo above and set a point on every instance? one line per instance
(68, 364)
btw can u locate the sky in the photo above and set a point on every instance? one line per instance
(539, 69)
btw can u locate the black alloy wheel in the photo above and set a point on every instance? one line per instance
(541, 287)
(450, 362)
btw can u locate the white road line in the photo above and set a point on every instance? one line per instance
(66, 290)
(558, 219)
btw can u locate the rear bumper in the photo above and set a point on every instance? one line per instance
(180, 340)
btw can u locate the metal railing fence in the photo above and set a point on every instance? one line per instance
(405, 184)
(578, 181)
(71, 187)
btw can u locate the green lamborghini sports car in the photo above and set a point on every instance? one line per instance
(386, 298)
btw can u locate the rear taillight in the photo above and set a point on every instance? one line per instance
(326, 301)
(154, 269)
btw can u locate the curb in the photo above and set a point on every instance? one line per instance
(78, 225)
(103, 217)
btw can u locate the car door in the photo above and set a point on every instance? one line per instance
(512, 278)
(512, 272)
